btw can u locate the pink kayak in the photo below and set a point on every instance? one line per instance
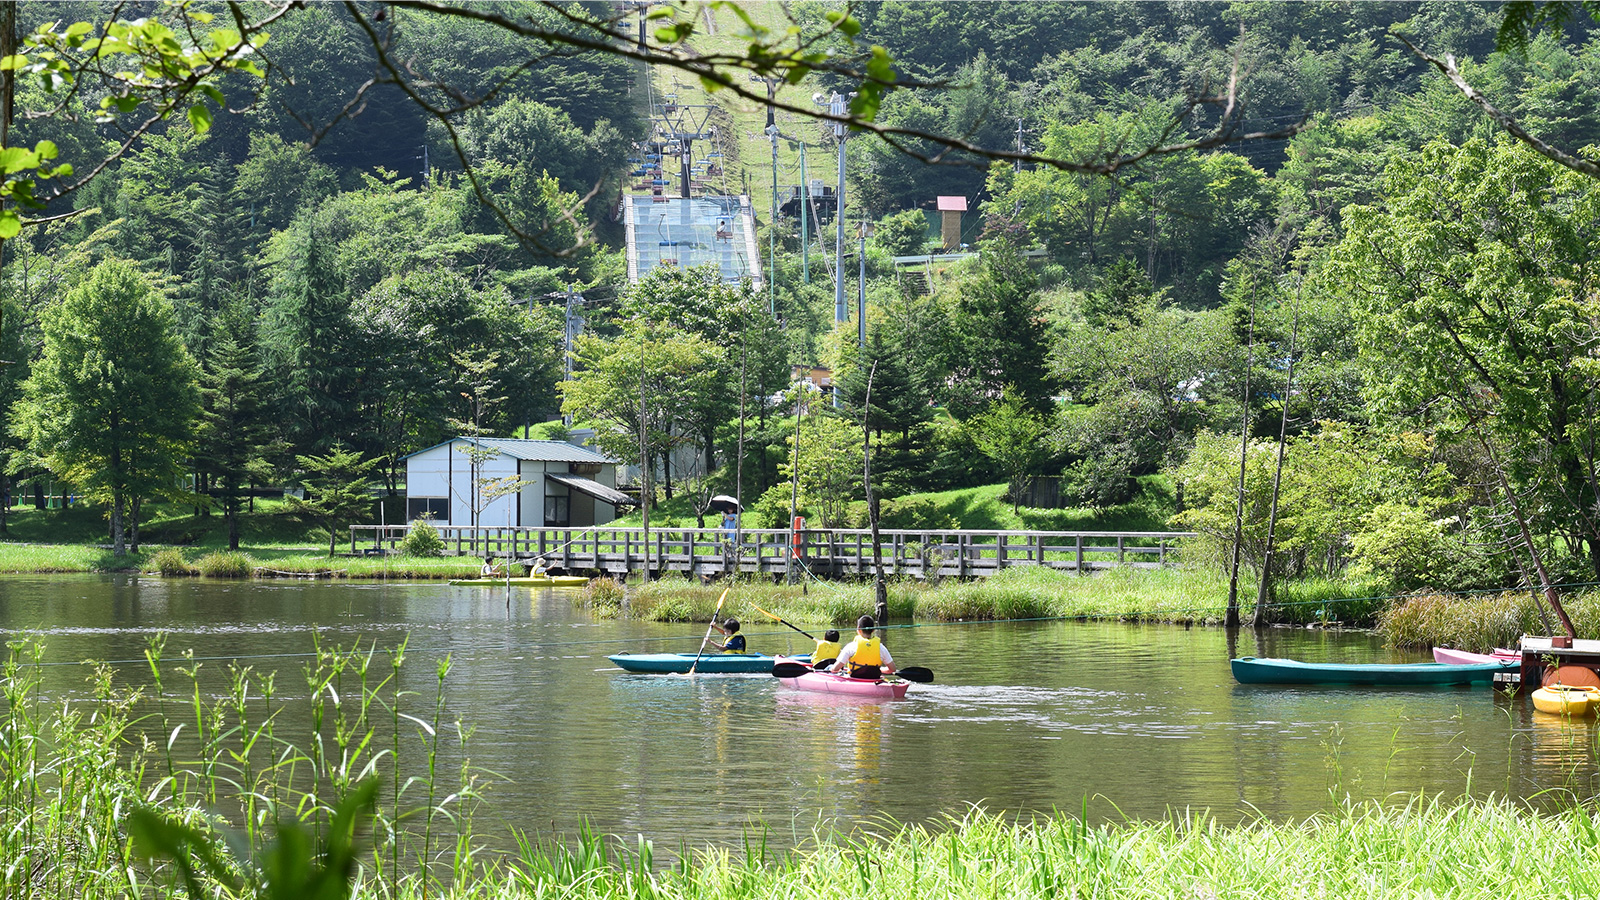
(1462, 658)
(889, 688)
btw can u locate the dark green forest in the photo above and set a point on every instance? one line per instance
(1380, 313)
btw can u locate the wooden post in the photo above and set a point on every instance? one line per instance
(1121, 557)
(1000, 552)
(961, 545)
(1078, 548)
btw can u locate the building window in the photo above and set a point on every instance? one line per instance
(436, 508)
(557, 512)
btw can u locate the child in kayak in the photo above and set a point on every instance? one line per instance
(827, 650)
(735, 640)
(866, 656)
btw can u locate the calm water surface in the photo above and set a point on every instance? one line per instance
(1132, 720)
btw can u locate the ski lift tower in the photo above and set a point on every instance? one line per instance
(679, 126)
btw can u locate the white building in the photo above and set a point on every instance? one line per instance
(562, 484)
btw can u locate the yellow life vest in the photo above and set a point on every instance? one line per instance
(867, 653)
(825, 650)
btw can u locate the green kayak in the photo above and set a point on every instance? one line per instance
(530, 581)
(1250, 670)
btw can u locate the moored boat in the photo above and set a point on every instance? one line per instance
(888, 688)
(710, 663)
(1566, 699)
(527, 581)
(1453, 657)
(1251, 670)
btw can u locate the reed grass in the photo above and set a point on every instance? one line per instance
(1019, 593)
(1481, 622)
(171, 563)
(206, 753)
(225, 564)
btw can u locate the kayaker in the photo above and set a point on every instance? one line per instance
(538, 569)
(735, 640)
(827, 649)
(866, 656)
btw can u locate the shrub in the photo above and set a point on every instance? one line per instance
(170, 562)
(603, 590)
(230, 564)
(422, 539)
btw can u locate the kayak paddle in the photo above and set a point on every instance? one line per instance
(795, 670)
(782, 622)
(714, 613)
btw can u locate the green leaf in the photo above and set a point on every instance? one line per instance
(10, 224)
(200, 118)
(15, 159)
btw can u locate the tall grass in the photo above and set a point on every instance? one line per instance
(1481, 622)
(1365, 851)
(208, 752)
(1024, 592)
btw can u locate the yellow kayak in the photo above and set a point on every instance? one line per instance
(1566, 700)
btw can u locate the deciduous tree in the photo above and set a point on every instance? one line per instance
(111, 404)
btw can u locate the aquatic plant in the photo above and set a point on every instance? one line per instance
(1482, 621)
(170, 562)
(225, 564)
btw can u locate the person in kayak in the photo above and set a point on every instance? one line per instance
(734, 642)
(827, 650)
(866, 656)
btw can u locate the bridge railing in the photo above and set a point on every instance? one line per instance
(837, 551)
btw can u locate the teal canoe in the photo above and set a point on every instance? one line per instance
(710, 663)
(1250, 670)
(530, 581)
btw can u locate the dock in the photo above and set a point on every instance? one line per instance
(824, 553)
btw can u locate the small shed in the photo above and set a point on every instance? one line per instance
(562, 485)
(950, 210)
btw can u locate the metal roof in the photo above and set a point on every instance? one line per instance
(522, 448)
(591, 487)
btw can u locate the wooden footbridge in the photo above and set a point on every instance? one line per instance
(827, 553)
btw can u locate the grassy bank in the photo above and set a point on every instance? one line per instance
(1185, 596)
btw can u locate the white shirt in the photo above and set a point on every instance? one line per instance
(849, 651)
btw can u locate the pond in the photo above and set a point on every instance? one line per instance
(1126, 720)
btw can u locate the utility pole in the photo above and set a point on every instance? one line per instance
(566, 343)
(841, 313)
(861, 290)
(426, 172)
(805, 227)
(772, 223)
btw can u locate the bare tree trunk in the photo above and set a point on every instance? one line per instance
(1545, 586)
(1231, 618)
(133, 522)
(1264, 587)
(118, 546)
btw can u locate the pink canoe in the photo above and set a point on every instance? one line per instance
(890, 688)
(1461, 657)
